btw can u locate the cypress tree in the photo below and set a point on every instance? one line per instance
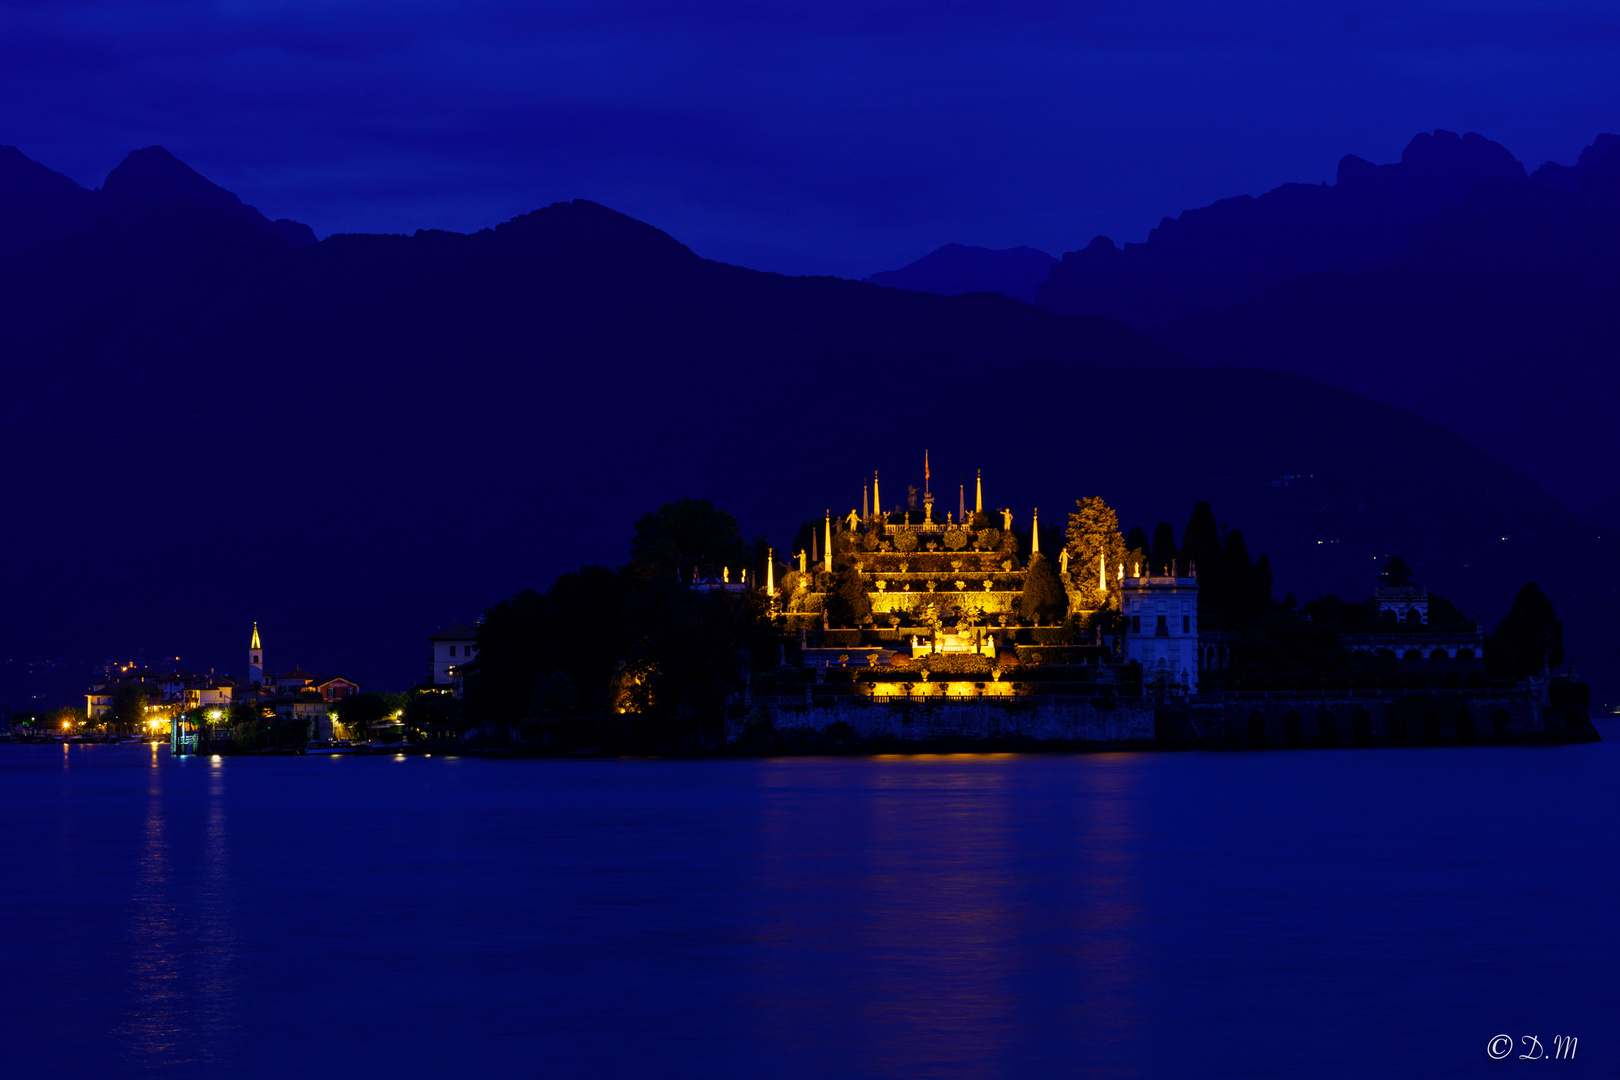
(1164, 545)
(1236, 579)
(1044, 596)
(847, 602)
(1137, 548)
(1531, 636)
(1261, 592)
(1201, 542)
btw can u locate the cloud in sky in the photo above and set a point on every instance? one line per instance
(830, 137)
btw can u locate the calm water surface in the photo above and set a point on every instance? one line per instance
(1285, 914)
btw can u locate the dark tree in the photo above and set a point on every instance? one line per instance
(575, 627)
(1201, 541)
(360, 712)
(513, 640)
(1164, 545)
(1261, 585)
(1237, 573)
(1044, 596)
(847, 602)
(433, 712)
(127, 710)
(679, 536)
(1395, 573)
(1530, 638)
(688, 649)
(584, 631)
(554, 695)
(1138, 549)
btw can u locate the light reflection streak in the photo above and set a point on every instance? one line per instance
(1108, 918)
(184, 995)
(952, 911)
(152, 1034)
(216, 1014)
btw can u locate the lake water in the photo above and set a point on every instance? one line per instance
(1288, 914)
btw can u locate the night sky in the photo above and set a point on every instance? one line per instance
(828, 137)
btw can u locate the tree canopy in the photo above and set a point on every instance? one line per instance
(847, 602)
(1163, 553)
(681, 535)
(1044, 596)
(1529, 639)
(128, 707)
(1093, 534)
(1395, 573)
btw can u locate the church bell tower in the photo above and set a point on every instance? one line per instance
(255, 659)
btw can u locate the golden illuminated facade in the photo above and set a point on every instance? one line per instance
(919, 565)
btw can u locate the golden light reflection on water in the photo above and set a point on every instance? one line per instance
(964, 910)
(1109, 915)
(151, 1032)
(183, 990)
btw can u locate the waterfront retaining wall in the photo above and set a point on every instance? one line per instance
(939, 720)
(1258, 720)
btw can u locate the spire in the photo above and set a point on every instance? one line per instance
(1102, 573)
(877, 503)
(254, 644)
(1035, 532)
(864, 514)
(978, 492)
(827, 550)
(961, 502)
(927, 488)
(770, 571)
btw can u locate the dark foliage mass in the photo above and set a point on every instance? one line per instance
(684, 536)
(1044, 597)
(396, 431)
(1529, 640)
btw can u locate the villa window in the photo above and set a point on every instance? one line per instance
(1136, 624)
(1186, 624)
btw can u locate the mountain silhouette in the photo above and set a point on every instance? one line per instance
(41, 205)
(1498, 318)
(357, 441)
(1235, 249)
(154, 173)
(957, 268)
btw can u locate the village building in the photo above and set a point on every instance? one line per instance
(450, 648)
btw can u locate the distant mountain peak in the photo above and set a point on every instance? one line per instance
(37, 204)
(1596, 174)
(1220, 255)
(962, 268)
(153, 173)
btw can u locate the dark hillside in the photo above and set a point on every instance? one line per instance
(356, 442)
(1237, 248)
(958, 268)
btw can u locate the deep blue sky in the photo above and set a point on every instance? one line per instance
(816, 137)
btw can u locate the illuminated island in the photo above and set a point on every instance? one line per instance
(912, 626)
